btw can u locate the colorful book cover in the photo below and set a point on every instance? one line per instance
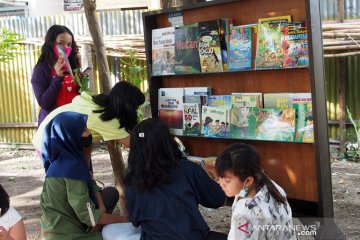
(270, 51)
(284, 100)
(276, 124)
(223, 101)
(214, 122)
(171, 108)
(186, 49)
(243, 115)
(191, 119)
(163, 51)
(209, 47)
(304, 121)
(224, 32)
(241, 48)
(296, 53)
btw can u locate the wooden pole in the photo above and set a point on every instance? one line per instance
(341, 11)
(104, 74)
(116, 158)
(342, 103)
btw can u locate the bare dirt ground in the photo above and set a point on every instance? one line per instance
(22, 175)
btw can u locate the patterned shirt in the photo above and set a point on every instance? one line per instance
(261, 217)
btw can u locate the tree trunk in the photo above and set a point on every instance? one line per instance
(117, 161)
(118, 166)
(103, 67)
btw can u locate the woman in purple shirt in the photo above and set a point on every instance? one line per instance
(51, 86)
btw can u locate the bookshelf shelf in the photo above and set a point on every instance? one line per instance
(303, 170)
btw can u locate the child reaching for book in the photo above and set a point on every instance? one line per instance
(11, 225)
(259, 202)
(70, 208)
(163, 189)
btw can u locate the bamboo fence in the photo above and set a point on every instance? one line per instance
(341, 39)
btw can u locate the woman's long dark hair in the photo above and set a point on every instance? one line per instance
(122, 103)
(47, 50)
(243, 161)
(154, 155)
(4, 201)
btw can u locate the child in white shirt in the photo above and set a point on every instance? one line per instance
(260, 209)
(11, 225)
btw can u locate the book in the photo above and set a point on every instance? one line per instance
(223, 101)
(270, 51)
(191, 119)
(197, 91)
(163, 51)
(224, 32)
(284, 100)
(275, 124)
(243, 115)
(241, 48)
(170, 107)
(304, 121)
(209, 47)
(186, 49)
(295, 43)
(214, 122)
(198, 160)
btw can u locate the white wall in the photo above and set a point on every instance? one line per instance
(45, 7)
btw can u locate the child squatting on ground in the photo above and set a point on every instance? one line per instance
(259, 202)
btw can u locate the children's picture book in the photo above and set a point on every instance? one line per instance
(243, 115)
(276, 124)
(295, 43)
(186, 49)
(241, 48)
(284, 100)
(304, 121)
(209, 47)
(163, 51)
(171, 108)
(214, 122)
(224, 32)
(191, 119)
(270, 51)
(223, 101)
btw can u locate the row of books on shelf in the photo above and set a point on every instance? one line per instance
(218, 45)
(194, 111)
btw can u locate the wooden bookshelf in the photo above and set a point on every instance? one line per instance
(302, 169)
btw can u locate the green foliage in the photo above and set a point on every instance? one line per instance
(83, 81)
(353, 146)
(8, 45)
(135, 77)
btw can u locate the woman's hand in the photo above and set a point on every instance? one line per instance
(61, 67)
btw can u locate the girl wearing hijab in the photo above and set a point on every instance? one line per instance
(68, 201)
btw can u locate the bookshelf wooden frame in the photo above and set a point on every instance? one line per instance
(302, 169)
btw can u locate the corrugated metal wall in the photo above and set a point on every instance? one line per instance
(352, 76)
(329, 9)
(18, 105)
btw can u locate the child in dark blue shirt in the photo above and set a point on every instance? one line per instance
(163, 190)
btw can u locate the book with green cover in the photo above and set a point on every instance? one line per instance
(276, 124)
(270, 49)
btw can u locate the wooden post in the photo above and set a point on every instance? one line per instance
(342, 102)
(341, 11)
(104, 74)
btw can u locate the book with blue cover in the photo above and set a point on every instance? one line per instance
(241, 48)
